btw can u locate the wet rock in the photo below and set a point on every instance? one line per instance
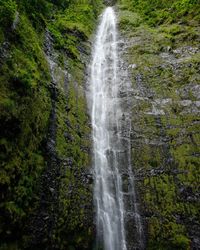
(165, 104)
(132, 66)
(109, 2)
(68, 136)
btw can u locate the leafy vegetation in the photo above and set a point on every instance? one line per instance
(25, 108)
(157, 12)
(157, 27)
(164, 39)
(7, 13)
(71, 27)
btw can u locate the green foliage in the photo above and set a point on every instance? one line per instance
(73, 143)
(161, 11)
(165, 146)
(73, 26)
(25, 108)
(7, 13)
(37, 10)
(129, 19)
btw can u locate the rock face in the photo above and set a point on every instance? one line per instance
(165, 128)
(109, 2)
(45, 177)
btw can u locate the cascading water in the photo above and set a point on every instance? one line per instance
(111, 148)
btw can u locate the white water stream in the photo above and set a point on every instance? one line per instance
(108, 144)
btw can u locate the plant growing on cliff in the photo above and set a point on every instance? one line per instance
(7, 13)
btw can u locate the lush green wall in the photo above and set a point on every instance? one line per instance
(156, 12)
(164, 146)
(26, 104)
(164, 57)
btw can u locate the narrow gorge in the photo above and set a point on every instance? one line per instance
(99, 124)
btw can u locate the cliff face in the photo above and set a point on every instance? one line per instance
(45, 179)
(45, 174)
(164, 59)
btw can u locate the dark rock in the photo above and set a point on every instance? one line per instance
(109, 2)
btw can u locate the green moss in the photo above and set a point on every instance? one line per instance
(25, 108)
(164, 153)
(72, 145)
(73, 26)
(158, 12)
(7, 13)
(129, 19)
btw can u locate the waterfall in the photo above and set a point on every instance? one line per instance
(114, 182)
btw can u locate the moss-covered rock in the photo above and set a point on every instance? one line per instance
(164, 70)
(46, 199)
(25, 107)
